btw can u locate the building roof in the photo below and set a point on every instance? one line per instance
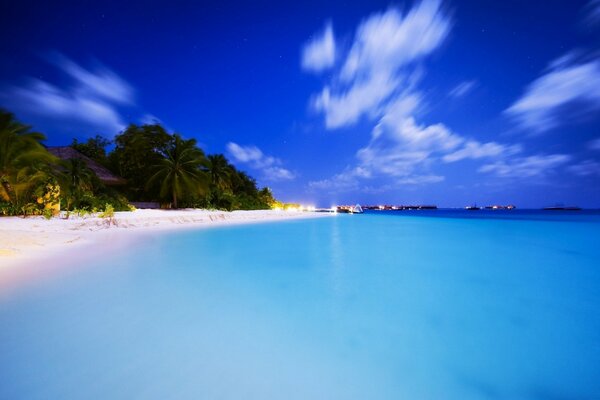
(107, 177)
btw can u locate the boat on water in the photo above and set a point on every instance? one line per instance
(500, 207)
(356, 209)
(472, 208)
(562, 208)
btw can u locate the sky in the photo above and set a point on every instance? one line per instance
(449, 103)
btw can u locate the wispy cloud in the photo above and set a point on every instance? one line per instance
(254, 158)
(378, 78)
(473, 149)
(343, 182)
(566, 83)
(319, 53)
(375, 68)
(278, 174)
(526, 167)
(592, 12)
(150, 119)
(404, 153)
(594, 144)
(399, 146)
(389, 40)
(364, 98)
(42, 98)
(585, 168)
(349, 181)
(91, 100)
(102, 82)
(462, 89)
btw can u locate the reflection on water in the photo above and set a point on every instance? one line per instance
(351, 307)
(336, 259)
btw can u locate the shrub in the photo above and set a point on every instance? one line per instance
(109, 212)
(8, 209)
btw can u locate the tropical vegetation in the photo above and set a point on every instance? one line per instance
(155, 165)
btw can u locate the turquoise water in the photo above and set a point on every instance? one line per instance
(374, 306)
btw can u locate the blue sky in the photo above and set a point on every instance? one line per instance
(448, 103)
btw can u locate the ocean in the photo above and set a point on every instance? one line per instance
(441, 304)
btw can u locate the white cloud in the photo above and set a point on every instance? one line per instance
(375, 71)
(585, 168)
(594, 144)
(462, 88)
(278, 174)
(474, 150)
(378, 79)
(403, 151)
(245, 154)
(91, 100)
(100, 83)
(389, 40)
(566, 83)
(343, 182)
(45, 99)
(348, 181)
(592, 10)
(526, 167)
(319, 53)
(345, 108)
(398, 147)
(256, 159)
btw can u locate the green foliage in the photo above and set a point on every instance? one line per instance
(24, 162)
(91, 202)
(47, 213)
(8, 209)
(82, 212)
(94, 148)
(108, 215)
(137, 151)
(109, 211)
(48, 199)
(29, 209)
(157, 166)
(220, 172)
(266, 198)
(178, 173)
(77, 180)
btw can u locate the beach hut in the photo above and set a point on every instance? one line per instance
(105, 176)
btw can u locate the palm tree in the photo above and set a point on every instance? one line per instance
(179, 171)
(219, 171)
(76, 178)
(23, 159)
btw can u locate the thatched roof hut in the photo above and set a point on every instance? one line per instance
(107, 177)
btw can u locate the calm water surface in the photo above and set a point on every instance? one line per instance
(436, 305)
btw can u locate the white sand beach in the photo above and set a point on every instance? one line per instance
(30, 241)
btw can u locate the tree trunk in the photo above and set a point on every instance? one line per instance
(174, 198)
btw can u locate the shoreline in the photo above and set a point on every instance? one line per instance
(27, 243)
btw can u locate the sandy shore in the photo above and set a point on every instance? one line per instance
(29, 241)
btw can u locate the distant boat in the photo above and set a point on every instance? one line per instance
(500, 207)
(562, 208)
(473, 208)
(357, 209)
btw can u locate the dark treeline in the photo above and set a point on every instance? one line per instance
(155, 166)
